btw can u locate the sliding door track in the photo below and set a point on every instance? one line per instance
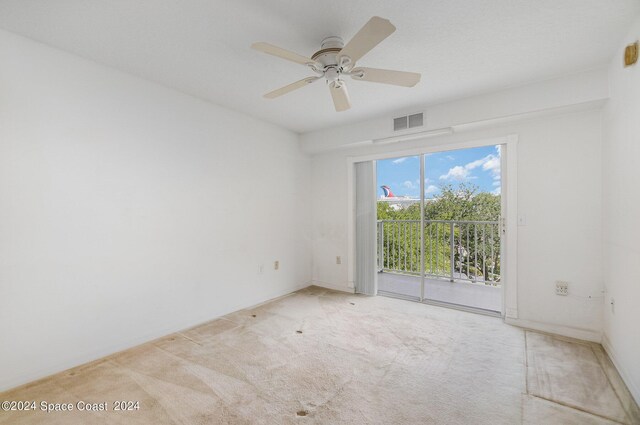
(441, 304)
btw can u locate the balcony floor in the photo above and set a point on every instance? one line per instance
(461, 293)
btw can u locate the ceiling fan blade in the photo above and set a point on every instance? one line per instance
(282, 53)
(340, 96)
(369, 36)
(386, 76)
(291, 87)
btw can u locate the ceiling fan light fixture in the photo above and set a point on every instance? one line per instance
(332, 74)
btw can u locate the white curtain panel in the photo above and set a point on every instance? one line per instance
(366, 278)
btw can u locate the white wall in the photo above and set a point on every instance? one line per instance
(621, 201)
(559, 184)
(512, 103)
(128, 210)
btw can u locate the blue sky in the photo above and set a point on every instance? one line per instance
(479, 166)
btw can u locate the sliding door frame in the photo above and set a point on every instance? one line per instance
(422, 227)
(509, 176)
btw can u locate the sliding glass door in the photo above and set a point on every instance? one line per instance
(438, 231)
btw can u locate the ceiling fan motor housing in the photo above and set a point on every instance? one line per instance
(328, 53)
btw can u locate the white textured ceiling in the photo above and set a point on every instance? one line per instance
(201, 47)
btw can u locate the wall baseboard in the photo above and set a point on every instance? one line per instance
(85, 358)
(335, 287)
(583, 334)
(633, 388)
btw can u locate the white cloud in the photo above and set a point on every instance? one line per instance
(450, 158)
(489, 163)
(496, 182)
(492, 163)
(476, 163)
(409, 184)
(456, 173)
(431, 189)
(496, 191)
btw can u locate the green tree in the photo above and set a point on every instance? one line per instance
(476, 246)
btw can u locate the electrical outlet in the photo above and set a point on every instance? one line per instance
(276, 265)
(562, 288)
(338, 260)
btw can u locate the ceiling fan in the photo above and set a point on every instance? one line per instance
(335, 60)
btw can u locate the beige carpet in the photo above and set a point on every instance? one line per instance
(578, 375)
(324, 357)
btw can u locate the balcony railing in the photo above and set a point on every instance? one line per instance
(454, 250)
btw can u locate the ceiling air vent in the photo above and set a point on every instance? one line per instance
(416, 120)
(400, 123)
(409, 121)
